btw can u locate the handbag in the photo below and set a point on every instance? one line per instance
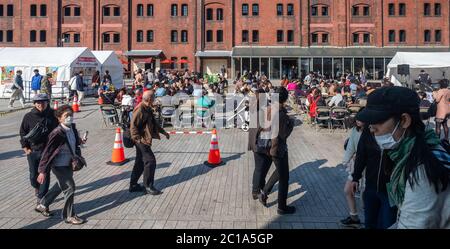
(77, 162)
(127, 141)
(263, 142)
(39, 131)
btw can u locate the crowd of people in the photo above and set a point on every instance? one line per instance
(401, 165)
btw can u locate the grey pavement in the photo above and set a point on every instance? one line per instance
(195, 196)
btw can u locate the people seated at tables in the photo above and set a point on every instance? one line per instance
(204, 105)
(160, 90)
(337, 99)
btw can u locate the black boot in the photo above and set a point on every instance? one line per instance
(152, 191)
(286, 210)
(136, 188)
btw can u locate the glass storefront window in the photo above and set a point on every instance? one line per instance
(337, 68)
(358, 65)
(328, 68)
(379, 68)
(386, 62)
(237, 66)
(317, 65)
(275, 64)
(304, 67)
(290, 67)
(245, 65)
(348, 65)
(255, 65)
(368, 66)
(265, 66)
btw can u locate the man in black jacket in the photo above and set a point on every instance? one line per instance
(39, 113)
(377, 211)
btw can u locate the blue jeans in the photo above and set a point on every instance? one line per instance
(377, 211)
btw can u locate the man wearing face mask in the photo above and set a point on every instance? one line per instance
(34, 145)
(413, 158)
(144, 128)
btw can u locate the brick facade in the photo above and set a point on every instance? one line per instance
(132, 25)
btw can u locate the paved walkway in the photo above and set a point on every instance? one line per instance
(195, 196)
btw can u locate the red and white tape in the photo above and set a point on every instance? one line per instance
(190, 132)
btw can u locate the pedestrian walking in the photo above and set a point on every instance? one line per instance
(34, 130)
(80, 87)
(63, 143)
(278, 150)
(47, 85)
(420, 173)
(17, 90)
(145, 128)
(36, 82)
(442, 99)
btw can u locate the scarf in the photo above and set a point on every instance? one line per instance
(396, 186)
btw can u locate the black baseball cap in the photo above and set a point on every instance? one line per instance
(387, 102)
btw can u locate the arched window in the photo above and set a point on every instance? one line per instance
(72, 10)
(361, 38)
(184, 10)
(320, 37)
(140, 36)
(360, 10)
(140, 10)
(320, 10)
(111, 37)
(219, 14)
(111, 10)
(184, 36)
(33, 36)
(174, 10)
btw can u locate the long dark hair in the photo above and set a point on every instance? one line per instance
(421, 154)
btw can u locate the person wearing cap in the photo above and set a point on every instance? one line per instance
(417, 164)
(41, 112)
(46, 85)
(36, 82)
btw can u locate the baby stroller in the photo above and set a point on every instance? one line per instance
(243, 112)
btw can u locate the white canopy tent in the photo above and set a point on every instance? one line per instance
(61, 62)
(436, 64)
(110, 62)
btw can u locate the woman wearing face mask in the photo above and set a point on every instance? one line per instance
(64, 141)
(419, 178)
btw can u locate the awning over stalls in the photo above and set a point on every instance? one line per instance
(327, 51)
(213, 53)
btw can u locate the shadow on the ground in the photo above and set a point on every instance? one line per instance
(188, 173)
(11, 154)
(104, 203)
(9, 136)
(310, 180)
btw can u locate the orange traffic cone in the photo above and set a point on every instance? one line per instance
(56, 106)
(118, 154)
(75, 106)
(214, 152)
(100, 100)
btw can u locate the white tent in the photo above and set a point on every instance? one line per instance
(110, 62)
(61, 62)
(436, 64)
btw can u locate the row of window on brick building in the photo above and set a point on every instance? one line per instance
(316, 10)
(73, 10)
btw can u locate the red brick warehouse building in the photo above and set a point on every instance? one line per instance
(269, 36)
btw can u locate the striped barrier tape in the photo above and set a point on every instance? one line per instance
(189, 132)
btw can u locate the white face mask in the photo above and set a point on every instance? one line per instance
(68, 121)
(387, 141)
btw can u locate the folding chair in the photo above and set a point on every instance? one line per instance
(168, 112)
(109, 113)
(186, 116)
(202, 120)
(338, 115)
(323, 117)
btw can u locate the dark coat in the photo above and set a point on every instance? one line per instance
(279, 143)
(80, 83)
(56, 140)
(368, 157)
(29, 122)
(144, 127)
